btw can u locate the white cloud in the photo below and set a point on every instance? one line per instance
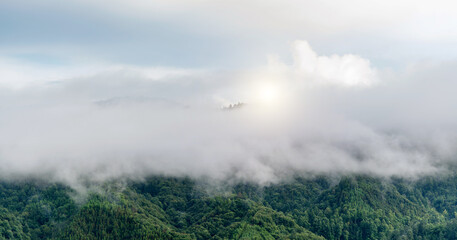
(234, 32)
(346, 70)
(17, 74)
(404, 19)
(121, 124)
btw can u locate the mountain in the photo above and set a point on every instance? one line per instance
(348, 207)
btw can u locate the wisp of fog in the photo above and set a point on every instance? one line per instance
(333, 114)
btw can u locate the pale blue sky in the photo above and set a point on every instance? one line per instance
(48, 34)
(228, 34)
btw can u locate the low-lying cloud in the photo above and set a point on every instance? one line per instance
(319, 115)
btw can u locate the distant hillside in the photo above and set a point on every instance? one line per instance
(354, 207)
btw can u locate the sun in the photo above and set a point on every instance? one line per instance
(268, 94)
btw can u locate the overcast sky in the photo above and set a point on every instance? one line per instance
(130, 88)
(222, 34)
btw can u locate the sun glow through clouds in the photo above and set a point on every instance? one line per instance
(268, 94)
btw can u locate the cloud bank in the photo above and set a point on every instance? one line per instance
(319, 115)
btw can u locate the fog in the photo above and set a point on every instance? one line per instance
(334, 114)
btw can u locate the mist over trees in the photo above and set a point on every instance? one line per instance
(295, 118)
(354, 207)
(234, 119)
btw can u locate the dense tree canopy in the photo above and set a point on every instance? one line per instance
(353, 207)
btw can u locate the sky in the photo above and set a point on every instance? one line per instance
(108, 89)
(222, 34)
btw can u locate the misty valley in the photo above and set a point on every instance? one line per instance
(228, 119)
(159, 207)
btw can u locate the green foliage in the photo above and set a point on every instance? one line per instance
(10, 226)
(100, 219)
(353, 207)
(40, 211)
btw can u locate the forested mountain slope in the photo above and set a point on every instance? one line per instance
(351, 207)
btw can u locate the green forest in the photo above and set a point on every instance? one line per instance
(349, 207)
